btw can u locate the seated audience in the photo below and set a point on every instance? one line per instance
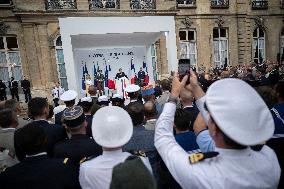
(37, 170)
(112, 128)
(80, 145)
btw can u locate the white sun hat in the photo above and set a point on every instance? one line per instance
(112, 127)
(239, 112)
(132, 88)
(68, 95)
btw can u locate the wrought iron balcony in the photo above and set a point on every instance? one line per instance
(219, 4)
(103, 4)
(60, 4)
(186, 3)
(260, 4)
(142, 4)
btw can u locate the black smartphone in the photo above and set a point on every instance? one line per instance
(183, 68)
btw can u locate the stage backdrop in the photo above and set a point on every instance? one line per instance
(109, 60)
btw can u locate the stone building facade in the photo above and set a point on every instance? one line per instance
(209, 32)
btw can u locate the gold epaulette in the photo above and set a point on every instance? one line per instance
(84, 159)
(197, 157)
(139, 153)
(65, 160)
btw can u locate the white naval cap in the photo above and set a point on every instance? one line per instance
(239, 112)
(117, 96)
(68, 95)
(132, 88)
(86, 99)
(59, 109)
(103, 98)
(112, 127)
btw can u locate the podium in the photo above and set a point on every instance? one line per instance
(120, 85)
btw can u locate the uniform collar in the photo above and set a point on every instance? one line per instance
(110, 153)
(79, 136)
(233, 152)
(35, 155)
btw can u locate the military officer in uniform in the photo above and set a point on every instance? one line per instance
(141, 77)
(112, 128)
(37, 170)
(2, 91)
(237, 118)
(68, 97)
(133, 92)
(79, 145)
(100, 80)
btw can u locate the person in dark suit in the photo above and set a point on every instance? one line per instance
(13, 85)
(38, 109)
(120, 74)
(26, 86)
(187, 99)
(80, 145)
(3, 87)
(37, 170)
(141, 77)
(100, 80)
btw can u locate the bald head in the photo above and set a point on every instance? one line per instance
(150, 110)
(92, 90)
(186, 97)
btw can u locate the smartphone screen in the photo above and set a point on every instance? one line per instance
(183, 67)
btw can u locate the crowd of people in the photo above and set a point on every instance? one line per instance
(225, 129)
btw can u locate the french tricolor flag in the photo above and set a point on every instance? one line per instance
(111, 84)
(146, 72)
(132, 72)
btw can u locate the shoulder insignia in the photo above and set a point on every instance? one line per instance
(27, 119)
(194, 158)
(138, 153)
(65, 160)
(84, 159)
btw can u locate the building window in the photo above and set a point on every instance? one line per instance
(60, 63)
(188, 46)
(186, 3)
(282, 46)
(60, 4)
(103, 4)
(259, 4)
(142, 4)
(219, 3)
(5, 2)
(258, 49)
(220, 43)
(10, 61)
(282, 4)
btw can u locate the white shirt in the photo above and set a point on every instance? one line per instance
(57, 92)
(97, 173)
(231, 169)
